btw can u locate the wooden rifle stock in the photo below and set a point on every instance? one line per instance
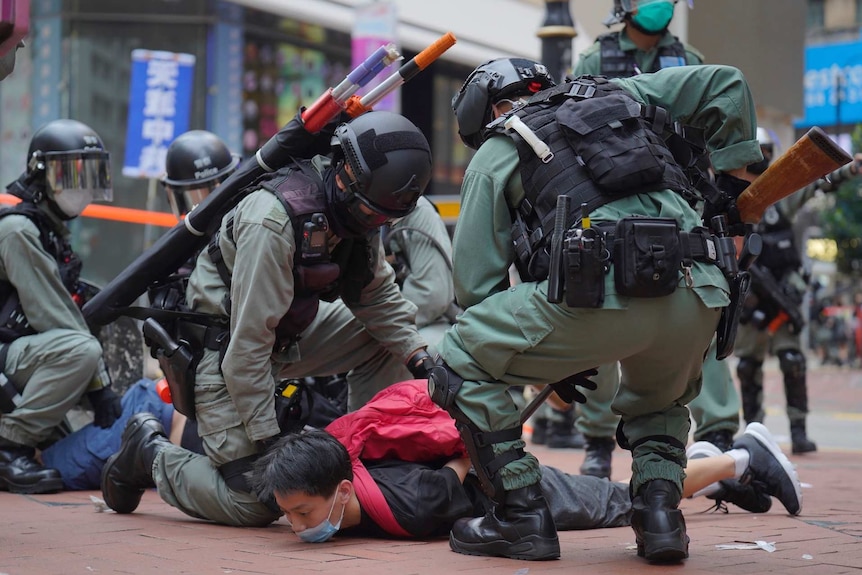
(813, 156)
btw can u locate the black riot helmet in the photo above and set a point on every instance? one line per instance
(384, 163)
(196, 162)
(493, 81)
(68, 160)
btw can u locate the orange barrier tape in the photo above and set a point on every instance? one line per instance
(114, 213)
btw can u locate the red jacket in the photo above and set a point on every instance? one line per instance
(401, 422)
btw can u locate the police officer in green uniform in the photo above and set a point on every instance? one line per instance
(767, 326)
(568, 140)
(309, 232)
(420, 249)
(48, 359)
(644, 44)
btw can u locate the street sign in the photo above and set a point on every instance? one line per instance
(160, 97)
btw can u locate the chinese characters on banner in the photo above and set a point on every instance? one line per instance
(159, 109)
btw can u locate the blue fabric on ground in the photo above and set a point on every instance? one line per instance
(80, 456)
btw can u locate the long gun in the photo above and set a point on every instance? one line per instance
(188, 237)
(813, 156)
(764, 284)
(831, 181)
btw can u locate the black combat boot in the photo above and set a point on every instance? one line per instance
(799, 442)
(521, 527)
(540, 431)
(129, 472)
(658, 525)
(562, 433)
(21, 473)
(597, 456)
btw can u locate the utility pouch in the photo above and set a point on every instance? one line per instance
(647, 256)
(611, 142)
(585, 260)
(177, 362)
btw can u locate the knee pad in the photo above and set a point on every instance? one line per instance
(443, 386)
(748, 369)
(792, 363)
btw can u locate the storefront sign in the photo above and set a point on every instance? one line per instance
(159, 108)
(833, 85)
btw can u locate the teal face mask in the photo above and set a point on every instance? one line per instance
(653, 18)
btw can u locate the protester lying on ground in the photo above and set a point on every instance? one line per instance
(80, 456)
(397, 467)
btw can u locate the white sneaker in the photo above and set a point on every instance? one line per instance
(700, 449)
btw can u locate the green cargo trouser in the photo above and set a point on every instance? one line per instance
(716, 408)
(51, 370)
(517, 338)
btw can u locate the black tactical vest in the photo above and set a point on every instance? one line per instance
(318, 275)
(603, 150)
(616, 63)
(13, 322)
(779, 253)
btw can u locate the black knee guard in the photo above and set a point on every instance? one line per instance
(443, 386)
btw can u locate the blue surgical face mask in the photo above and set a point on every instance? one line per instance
(325, 529)
(653, 18)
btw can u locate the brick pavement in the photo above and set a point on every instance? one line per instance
(64, 534)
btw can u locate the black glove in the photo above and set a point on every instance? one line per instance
(107, 406)
(568, 392)
(420, 364)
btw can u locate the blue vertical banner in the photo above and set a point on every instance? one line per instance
(46, 40)
(224, 75)
(160, 99)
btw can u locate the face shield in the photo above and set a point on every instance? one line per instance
(75, 179)
(183, 199)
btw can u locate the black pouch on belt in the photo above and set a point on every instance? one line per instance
(586, 258)
(647, 256)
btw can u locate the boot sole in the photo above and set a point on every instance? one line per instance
(762, 435)
(532, 548)
(41, 487)
(663, 547)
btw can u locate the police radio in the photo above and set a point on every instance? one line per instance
(315, 242)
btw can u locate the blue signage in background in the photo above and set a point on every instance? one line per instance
(160, 100)
(833, 85)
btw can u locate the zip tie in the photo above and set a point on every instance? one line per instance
(540, 148)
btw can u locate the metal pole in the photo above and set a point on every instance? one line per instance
(556, 34)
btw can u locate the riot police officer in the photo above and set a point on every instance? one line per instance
(48, 359)
(644, 44)
(309, 232)
(773, 320)
(569, 140)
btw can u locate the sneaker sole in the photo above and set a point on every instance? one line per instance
(701, 449)
(764, 437)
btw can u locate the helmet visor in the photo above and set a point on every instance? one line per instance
(87, 171)
(183, 199)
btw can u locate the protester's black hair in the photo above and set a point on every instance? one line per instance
(312, 462)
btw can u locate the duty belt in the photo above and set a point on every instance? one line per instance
(697, 245)
(203, 336)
